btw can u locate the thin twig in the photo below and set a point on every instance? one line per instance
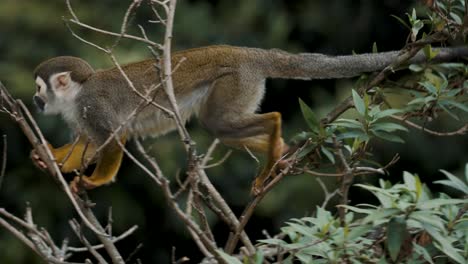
(134, 252)
(345, 182)
(123, 28)
(4, 160)
(164, 183)
(127, 233)
(461, 131)
(105, 32)
(218, 163)
(19, 235)
(105, 239)
(328, 195)
(249, 209)
(23, 117)
(80, 234)
(188, 211)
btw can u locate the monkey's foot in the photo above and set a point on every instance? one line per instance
(81, 182)
(259, 182)
(257, 187)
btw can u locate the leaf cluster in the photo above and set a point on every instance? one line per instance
(410, 225)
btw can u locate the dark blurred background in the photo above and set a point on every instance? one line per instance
(32, 31)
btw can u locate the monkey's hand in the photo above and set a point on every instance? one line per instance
(80, 182)
(37, 161)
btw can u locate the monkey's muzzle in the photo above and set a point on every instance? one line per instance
(39, 102)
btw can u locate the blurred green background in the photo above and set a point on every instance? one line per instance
(32, 31)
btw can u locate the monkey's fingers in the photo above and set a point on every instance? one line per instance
(81, 182)
(37, 161)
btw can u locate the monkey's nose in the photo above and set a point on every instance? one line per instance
(40, 104)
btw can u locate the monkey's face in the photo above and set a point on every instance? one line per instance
(55, 94)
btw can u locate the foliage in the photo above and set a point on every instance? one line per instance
(430, 91)
(410, 225)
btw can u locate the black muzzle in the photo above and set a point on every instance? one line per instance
(39, 102)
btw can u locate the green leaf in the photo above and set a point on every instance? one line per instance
(388, 136)
(384, 196)
(438, 202)
(444, 245)
(353, 134)
(456, 104)
(357, 209)
(422, 251)
(374, 48)
(310, 117)
(259, 257)
(454, 182)
(382, 214)
(359, 103)
(454, 116)
(358, 231)
(429, 87)
(456, 18)
(422, 100)
(416, 68)
(273, 241)
(301, 229)
(328, 154)
(429, 52)
(402, 22)
(466, 172)
(427, 217)
(349, 123)
(417, 25)
(302, 136)
(452, 92)
(396, 235)
(386, 113)
(388, 127)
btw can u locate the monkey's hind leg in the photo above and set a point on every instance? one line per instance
(269, 142)
(107, 166)
(260, 133)
(229, 113)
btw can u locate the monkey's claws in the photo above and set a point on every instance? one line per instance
(37, 161)
(256, 190)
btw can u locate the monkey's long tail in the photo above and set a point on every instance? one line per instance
(319, 66)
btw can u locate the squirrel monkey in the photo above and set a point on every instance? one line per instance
(222, 85)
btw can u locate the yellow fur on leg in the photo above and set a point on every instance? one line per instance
(275, 150)
(71, 155)
(107, 166)
(271, 144)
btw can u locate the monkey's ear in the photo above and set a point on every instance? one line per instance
(62, 80)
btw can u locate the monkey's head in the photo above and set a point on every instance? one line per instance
(58, 81)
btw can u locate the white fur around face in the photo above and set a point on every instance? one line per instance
(64, 99)
(41, 87)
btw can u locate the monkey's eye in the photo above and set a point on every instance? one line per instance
(38, 88)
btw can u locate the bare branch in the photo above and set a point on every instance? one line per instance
(328, 195)
(78, 232)
(3, 161)
(127, 233)
(461, 131)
